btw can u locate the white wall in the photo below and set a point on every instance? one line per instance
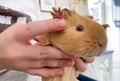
(81, 8)
(59, 3)
(113, 33)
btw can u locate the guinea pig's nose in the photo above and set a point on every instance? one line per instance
(100, 45)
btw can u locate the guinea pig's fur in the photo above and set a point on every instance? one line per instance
(82, 37)
(91, 40)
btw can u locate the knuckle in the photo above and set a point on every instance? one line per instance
(27, 30)
(43, 56)
(43, 53)
(43, 63)
(24, 28)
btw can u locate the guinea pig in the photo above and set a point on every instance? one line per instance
(82, 37)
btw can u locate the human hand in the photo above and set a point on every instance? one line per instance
(81, 64)
(17, 53)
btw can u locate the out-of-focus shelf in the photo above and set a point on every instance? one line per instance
(103, 64)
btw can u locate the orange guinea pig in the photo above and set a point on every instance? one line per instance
(82, 37)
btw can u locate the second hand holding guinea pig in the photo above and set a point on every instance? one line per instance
(82, 37)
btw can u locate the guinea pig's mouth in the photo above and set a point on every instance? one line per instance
(9, 17)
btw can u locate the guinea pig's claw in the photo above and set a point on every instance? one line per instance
(57, 13)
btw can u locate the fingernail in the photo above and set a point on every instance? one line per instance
(61, 24)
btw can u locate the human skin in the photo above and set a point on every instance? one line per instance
(17, 53)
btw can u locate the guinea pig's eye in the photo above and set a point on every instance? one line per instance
(79, 28)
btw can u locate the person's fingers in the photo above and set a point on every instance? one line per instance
(46, 72)
(32, 29)
(44, 52)
(88, 59)
(51, 63)
(46, 56)
(41, 63)
(45, 26)
(58, 63)
(80, 65)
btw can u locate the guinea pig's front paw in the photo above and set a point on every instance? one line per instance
(57, 13)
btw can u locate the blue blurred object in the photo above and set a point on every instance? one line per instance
(117, 3)
(85, 78)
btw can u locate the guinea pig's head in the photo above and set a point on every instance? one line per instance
(82, 37)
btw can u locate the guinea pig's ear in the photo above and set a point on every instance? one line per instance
(91, 17)
(67, 13)
(105, 26)
(88, 16)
